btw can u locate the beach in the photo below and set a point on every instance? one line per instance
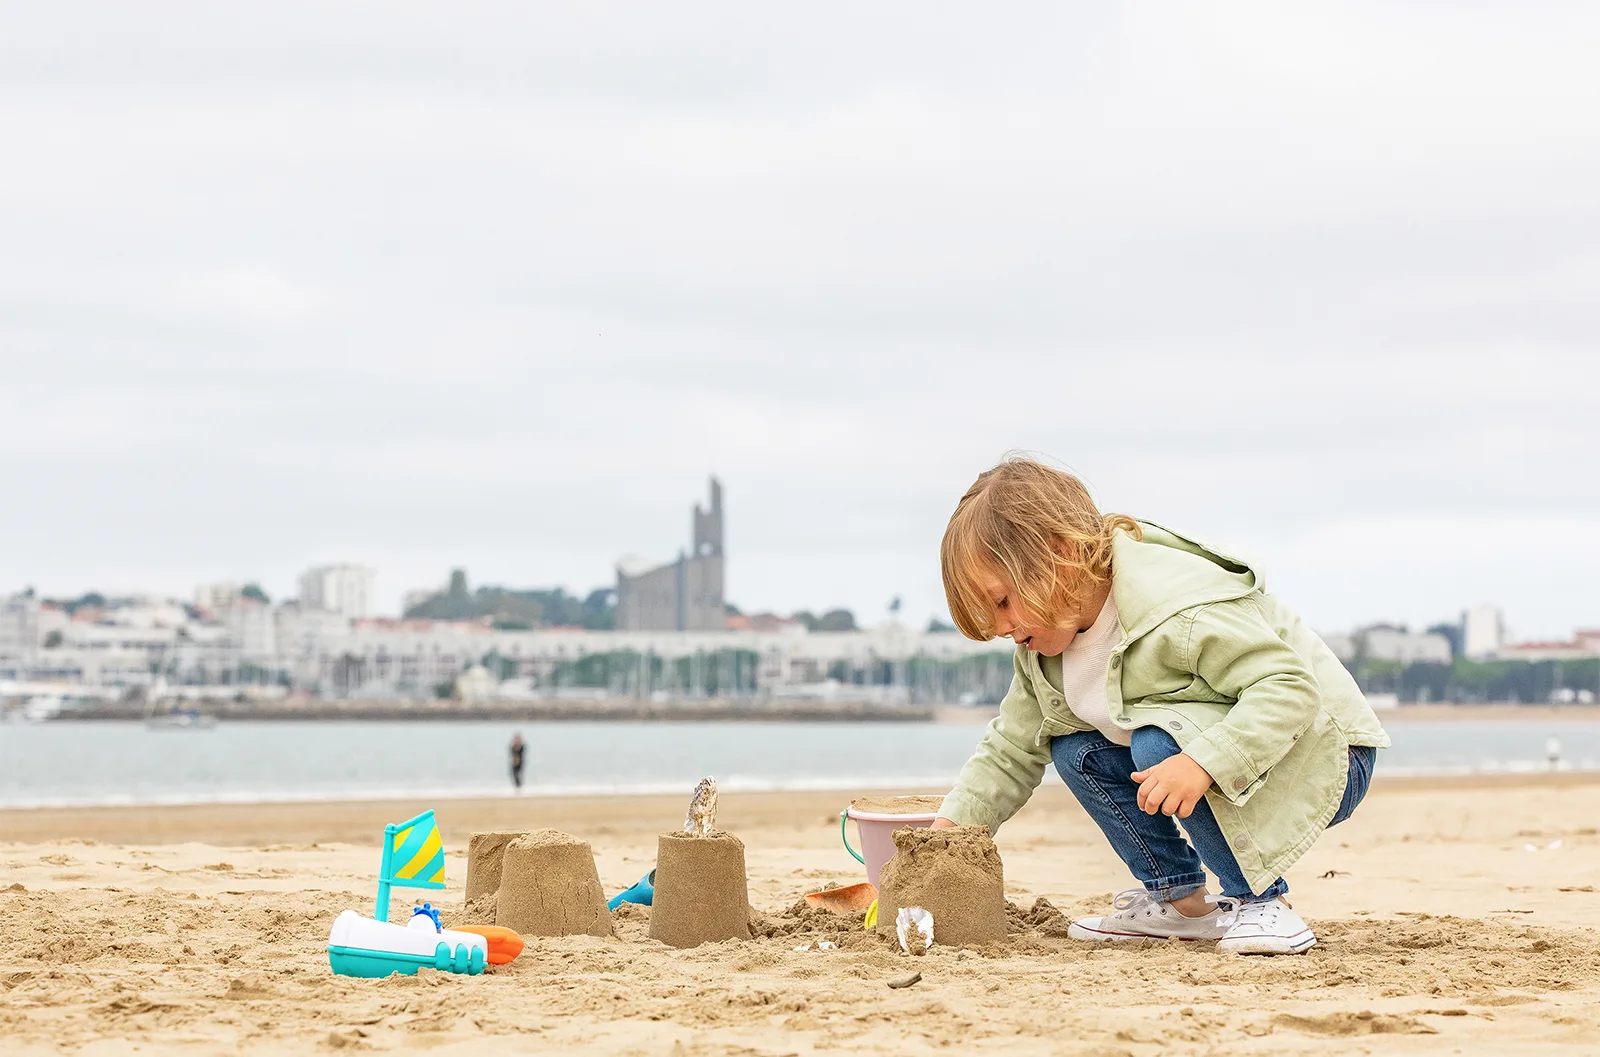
(202, 929)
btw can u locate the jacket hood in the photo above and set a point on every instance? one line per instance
(1164, 573)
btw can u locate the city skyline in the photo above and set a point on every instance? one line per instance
(213, 599)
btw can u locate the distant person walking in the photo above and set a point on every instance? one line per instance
(516, 760)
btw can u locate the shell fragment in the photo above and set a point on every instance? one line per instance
(702, 809)
(914, 926)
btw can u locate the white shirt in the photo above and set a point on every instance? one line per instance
(1085, 667)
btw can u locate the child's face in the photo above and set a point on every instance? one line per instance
(1012, 618)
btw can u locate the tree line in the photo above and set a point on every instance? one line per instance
(1464, 681)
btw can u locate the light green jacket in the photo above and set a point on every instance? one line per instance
(1250, 693)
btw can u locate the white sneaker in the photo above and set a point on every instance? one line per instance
(1138, 915)
(1267, 926)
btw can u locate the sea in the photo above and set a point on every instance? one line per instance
(110, 763)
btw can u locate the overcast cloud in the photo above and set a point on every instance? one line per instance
(500, 285)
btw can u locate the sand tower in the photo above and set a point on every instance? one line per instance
(701, 893)
(549, 887)
(955, 874)
(485, 856)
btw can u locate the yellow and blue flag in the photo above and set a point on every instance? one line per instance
(413, 857)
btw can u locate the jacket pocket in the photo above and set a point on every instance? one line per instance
(1182, 719)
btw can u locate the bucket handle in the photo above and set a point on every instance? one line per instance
(843, 817)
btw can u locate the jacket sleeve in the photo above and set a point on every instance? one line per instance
(1234, 648)
(1009, 763)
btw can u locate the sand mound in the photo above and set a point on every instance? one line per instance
(549, 887)
(956, 874)
(1044, 918)
(701, 894)
(485, 856)
(898, 805)
(803, 919)
(479, 911)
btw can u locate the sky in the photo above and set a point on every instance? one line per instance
(499, 286)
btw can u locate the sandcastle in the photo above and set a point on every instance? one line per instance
(955, 874)
(701, 895)
(485, 856)
(542, 883)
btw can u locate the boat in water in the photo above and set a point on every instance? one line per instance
(175, 718)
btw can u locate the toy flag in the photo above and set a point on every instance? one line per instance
(413, 857)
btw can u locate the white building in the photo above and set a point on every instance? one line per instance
(1483, 631)
(1384, 643)
(100, 653)
(343, 589)
(214, 598)
(303, 637)
(254, 629)
(19, 636)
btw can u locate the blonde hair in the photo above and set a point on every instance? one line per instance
(1038, 527)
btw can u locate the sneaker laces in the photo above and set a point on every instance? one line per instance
(1263, 912)
(1133, 900)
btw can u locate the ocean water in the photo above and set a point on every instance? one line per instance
(58, 764)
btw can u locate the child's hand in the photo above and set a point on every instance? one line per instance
(1173, 786)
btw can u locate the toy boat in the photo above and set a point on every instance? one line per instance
(360, 946)
(413, 857)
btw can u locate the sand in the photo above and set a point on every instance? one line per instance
(201, 930)
(955, 874)
(898, 805)
(701, 893)
(549, 887)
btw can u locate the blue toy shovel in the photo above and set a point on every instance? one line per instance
(643, 892)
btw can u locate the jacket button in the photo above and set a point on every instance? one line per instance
(1177, 725)
(1240, 843)
(1240, 782)
(1055, 702)
(1116, 660)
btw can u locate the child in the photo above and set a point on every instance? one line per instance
(1162, 681)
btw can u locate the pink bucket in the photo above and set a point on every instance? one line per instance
(876, 827)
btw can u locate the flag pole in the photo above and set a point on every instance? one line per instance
(381, 912)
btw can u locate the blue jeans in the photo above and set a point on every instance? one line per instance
(1098, 771)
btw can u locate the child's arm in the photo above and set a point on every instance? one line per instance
(1008, 765)
(1234, 647)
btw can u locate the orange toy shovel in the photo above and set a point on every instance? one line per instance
(504, 944)
(851, 899)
